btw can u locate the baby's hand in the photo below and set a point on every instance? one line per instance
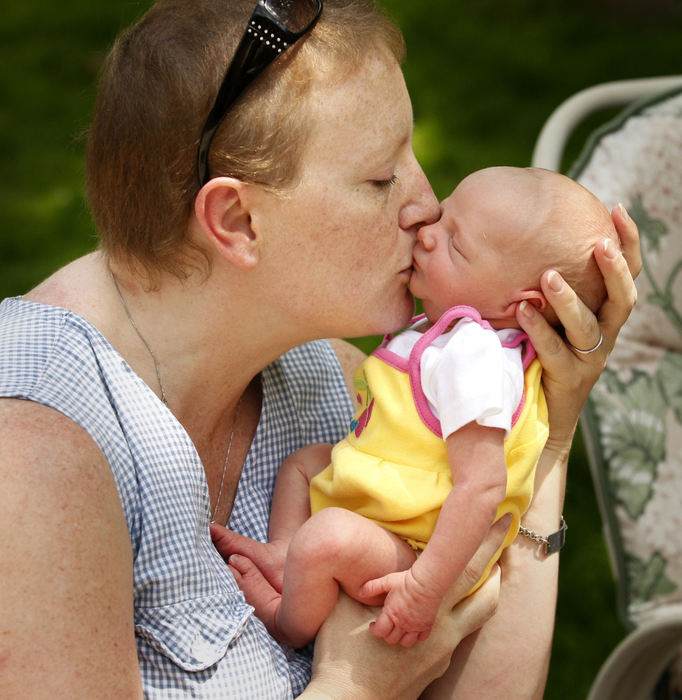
(409, 611)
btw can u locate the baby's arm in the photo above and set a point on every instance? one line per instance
(291, 498)
(476, 457)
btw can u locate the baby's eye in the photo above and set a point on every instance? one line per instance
(386, 183)
(455, 247)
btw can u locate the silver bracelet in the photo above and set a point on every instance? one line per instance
(553, 543)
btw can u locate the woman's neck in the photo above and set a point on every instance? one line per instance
(206, 339)
(200, 337)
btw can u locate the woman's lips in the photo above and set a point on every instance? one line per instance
(406, 271)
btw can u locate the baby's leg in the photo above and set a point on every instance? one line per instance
(290, 509)
(335, 548)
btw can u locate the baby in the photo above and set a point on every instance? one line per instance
(450, 423)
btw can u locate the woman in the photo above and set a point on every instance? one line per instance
(147, 390)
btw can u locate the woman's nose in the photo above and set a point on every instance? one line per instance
(422, 207)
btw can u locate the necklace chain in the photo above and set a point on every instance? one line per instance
(164, 400)
(227, 459)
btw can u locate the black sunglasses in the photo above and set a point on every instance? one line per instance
(274, 26)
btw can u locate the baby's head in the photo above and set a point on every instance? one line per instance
(500, 230)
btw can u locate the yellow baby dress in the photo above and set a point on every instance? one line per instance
(392, 467)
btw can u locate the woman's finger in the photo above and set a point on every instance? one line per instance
(551, 348)
(629, 239)
(236, 573)
(583, 330)
(580, 324)
(620, 289)
(481, 606)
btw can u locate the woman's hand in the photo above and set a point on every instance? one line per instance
(569, 376)
(351, 664)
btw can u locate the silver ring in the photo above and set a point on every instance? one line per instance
(591, 350)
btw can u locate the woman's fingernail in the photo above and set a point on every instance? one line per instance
(526, 309)
(609, 249)
(623, 211)
(554, 281)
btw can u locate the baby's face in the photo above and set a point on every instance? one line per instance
(470, 255)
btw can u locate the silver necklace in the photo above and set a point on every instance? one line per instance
(164, 400)
(227, 459)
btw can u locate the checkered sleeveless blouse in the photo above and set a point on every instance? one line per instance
(196, 636)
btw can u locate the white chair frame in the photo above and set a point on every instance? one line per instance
(556, 131)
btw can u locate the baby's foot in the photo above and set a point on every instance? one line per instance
(269, 558)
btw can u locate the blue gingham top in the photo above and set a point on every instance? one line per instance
(196, 636)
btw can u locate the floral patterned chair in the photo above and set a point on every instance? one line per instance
(632, 423)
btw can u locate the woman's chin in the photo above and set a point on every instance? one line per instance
(401, 314)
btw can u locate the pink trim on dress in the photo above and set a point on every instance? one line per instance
(528, 355)
(388, 356)
(412, 364)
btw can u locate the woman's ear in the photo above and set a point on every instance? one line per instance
(222, 211)
(532, 296)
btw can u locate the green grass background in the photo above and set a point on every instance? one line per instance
(484, 75)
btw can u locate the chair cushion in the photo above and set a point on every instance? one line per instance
(633, 420)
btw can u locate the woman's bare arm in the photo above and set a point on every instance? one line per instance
(66, 628)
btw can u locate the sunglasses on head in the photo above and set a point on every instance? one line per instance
(274, 26)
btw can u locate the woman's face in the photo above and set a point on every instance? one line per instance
(340, 243)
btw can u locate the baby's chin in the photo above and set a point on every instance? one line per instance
(433, 311)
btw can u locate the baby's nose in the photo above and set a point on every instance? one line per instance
(426, 237)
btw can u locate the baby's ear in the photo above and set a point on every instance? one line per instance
(532, 296)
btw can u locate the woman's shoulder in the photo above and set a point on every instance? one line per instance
(38, 340)
(54, 456)
(74, 287)
(29, 425)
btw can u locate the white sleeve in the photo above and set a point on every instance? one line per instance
(467, 375)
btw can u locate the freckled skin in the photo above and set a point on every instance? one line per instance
(346, 232)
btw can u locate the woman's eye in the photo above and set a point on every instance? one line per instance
(386, 183)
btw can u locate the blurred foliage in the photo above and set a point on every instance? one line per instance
(483, 76)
